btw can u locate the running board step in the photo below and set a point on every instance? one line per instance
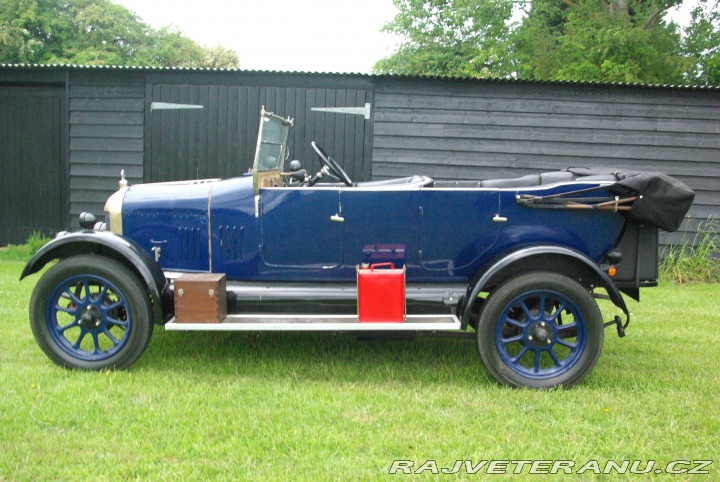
(318, 323)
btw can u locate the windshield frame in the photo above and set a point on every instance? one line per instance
(274, 132)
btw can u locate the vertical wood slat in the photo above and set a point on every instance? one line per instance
(148, 164)
(221, 165)
(232, 115)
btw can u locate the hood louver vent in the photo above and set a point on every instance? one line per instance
(190, 243)
(231, 242)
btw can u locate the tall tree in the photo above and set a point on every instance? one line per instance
(703, 43)
(451, 37)
(91, 32)
(605, 40)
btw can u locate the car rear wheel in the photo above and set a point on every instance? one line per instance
(540, 330)
(91, 312)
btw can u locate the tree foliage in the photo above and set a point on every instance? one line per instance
(218, 57)
(578, 40)
(703, 43)
(613, 41)
(465, 37)
(95, 32)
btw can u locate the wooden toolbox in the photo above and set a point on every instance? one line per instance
(200, 298)
(381, 294)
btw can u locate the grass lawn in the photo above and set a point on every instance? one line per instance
(329, 407)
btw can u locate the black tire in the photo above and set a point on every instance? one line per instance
(91, 312)
(540, 330)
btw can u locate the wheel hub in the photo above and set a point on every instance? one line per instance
(540, 334)
(91, 318)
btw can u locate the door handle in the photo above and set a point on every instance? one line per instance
(336, 218)
(499, 219)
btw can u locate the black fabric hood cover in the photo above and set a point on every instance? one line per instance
(662, 201)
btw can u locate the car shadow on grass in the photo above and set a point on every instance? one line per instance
(317, 356)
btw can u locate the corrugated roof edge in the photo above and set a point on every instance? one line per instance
(169, 69)
(357, 74)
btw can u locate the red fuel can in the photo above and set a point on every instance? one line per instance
(381, 293)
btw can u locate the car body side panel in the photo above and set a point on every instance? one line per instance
(171, 222)
(235, 231)
(592, 233)
(320, 234)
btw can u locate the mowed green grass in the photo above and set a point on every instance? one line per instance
(283, 406)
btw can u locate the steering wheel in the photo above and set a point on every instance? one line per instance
(331, 164)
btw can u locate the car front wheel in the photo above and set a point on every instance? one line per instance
(540, 330)
(91, 312)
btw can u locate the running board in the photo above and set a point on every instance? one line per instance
(318, 323)
(448, 294)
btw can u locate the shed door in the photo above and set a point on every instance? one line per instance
(208, 131)
(33, 176)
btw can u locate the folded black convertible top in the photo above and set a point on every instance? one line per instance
(662, 201)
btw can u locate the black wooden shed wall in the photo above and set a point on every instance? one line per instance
(106, 135)
(485, 129)
(65, 132)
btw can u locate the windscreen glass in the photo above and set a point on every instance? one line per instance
(270, 152)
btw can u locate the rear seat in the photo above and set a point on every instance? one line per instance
(527, 181)
(530, 180)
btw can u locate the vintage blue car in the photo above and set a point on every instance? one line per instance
(518, 261)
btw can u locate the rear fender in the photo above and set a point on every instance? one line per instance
(113, 246)
(536, 258)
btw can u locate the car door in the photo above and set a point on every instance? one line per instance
(381, 225)
(458, 227)
(299, 232)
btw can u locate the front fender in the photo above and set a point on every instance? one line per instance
(113, 246)
(523, 257)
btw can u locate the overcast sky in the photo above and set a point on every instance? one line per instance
(285, 35)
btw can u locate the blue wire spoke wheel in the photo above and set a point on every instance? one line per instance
(540, 334)
(540, 330)
(89, 317)
(90, 312)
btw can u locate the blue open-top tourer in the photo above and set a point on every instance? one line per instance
(518, 261)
